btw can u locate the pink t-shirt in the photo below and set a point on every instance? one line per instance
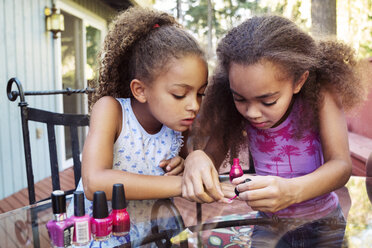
(276, 152)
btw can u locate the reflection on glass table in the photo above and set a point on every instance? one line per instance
(222, 225)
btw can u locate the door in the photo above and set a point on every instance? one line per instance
(80, 43)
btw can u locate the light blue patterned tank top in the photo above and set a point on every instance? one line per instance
(137, 151)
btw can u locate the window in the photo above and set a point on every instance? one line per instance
(80, 43)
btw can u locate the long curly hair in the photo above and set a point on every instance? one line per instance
(278, 40)
(140, 45)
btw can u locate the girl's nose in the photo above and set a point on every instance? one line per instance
(193, 104)
(253, 112)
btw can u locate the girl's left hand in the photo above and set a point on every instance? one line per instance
(266, 193)
(173, 166)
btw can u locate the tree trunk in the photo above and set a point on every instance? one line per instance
(323, 18)
(179, 11)
(210, 44)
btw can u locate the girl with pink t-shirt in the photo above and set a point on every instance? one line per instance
(284, 94)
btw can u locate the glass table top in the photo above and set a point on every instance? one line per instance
(207, 225)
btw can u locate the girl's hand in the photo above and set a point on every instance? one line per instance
(173, 166)
(266, 193)
(228, 190)
(200, 179)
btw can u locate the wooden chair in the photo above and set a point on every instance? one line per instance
(51, 119)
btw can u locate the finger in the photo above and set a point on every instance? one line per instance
(212, 187)
(163, 163)
(176, 171)
(200, 190)
(187, 191)
(174, 163)
(217, 183)
(248, 194)
(194, 186)
(241, 179)
(261, 206)
(228, 190)
(225, 200)
(264, 205)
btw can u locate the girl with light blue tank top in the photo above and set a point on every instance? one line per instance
(152, 76)
(137, 151)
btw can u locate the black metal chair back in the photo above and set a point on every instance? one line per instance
(51, 119)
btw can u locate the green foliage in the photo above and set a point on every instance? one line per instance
(230, 14)
(366, 47)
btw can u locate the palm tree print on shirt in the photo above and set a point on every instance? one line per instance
(289, 150)
(312, 138)
(286, 133)
(277, 159)
(266, 146)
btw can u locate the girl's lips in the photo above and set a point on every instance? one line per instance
(259, 125)
(187, 122)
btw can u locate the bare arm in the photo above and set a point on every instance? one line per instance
(336, 170)
(270, 193)
(97, 172)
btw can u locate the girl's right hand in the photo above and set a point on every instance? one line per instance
(200, 179)
(267, 193)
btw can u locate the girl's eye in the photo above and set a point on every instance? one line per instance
(238, 99)
(201, 94)
(269, 103)
(178, 97)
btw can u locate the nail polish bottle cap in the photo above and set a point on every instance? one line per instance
(58, 202)
(100, 210)
(118, 196)
(79, 205)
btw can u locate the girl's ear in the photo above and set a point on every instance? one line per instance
(301, 81)
(138, 90)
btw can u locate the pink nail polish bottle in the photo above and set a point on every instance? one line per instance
(60, 229)
(101, 222)
(236, 170)
(82, 231)
(119, 214)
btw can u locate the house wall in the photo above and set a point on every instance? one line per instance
(360, 119)
(27, 51)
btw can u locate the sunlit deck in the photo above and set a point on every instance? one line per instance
(43, 189)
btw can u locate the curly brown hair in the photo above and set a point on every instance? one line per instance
(140, 45)
(278, 40)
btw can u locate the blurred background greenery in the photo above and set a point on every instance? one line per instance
(209, 20)
(347, 20)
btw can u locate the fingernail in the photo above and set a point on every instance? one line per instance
(236, 191)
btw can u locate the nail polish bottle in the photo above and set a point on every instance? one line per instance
(101, 222)
(236, 170)
(60, 228)
(120, 216)
(82, 231)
